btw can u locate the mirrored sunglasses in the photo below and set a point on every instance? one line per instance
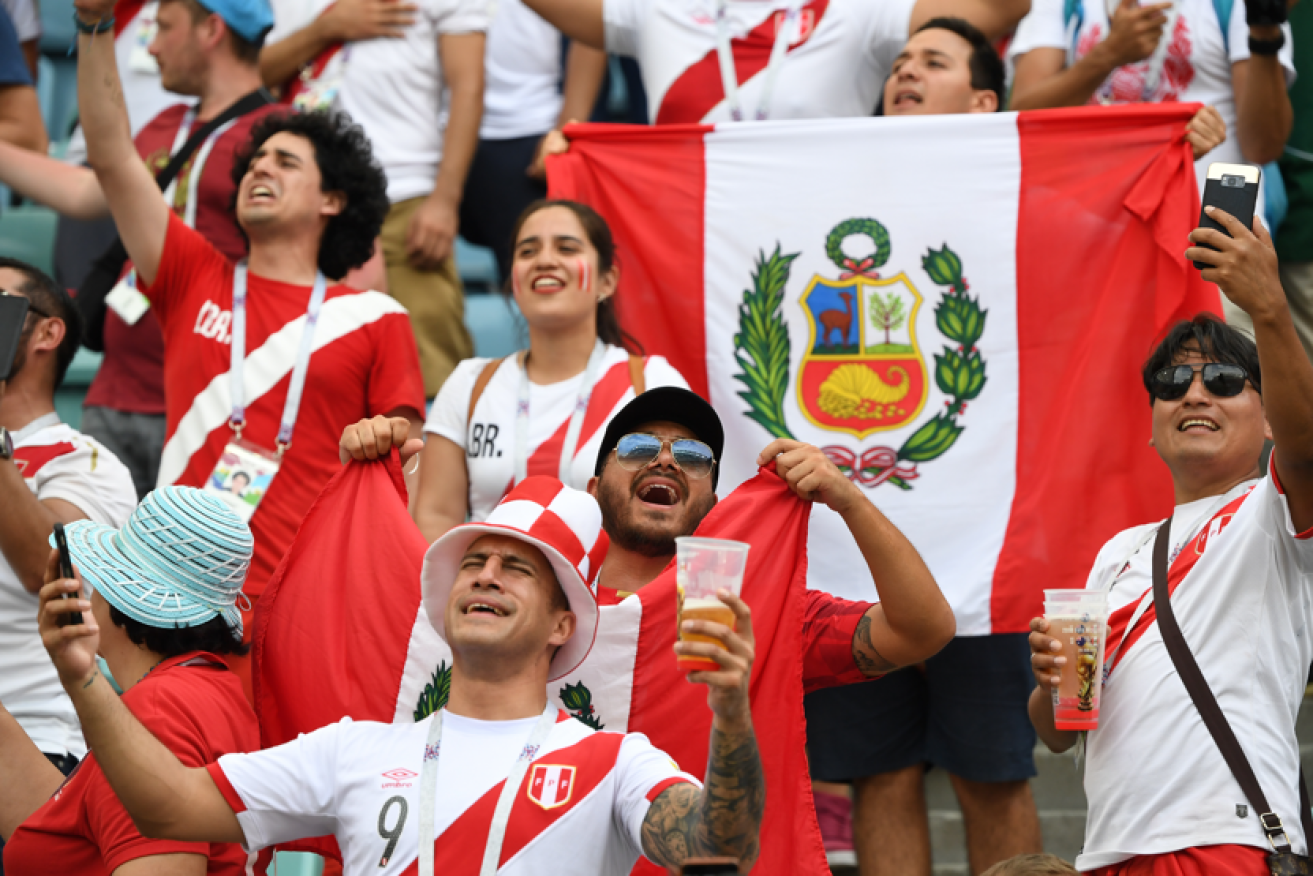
(1222, 379)
(637, 450)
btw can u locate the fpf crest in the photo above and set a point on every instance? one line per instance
(863, 371)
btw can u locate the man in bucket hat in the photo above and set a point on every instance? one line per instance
(162, 596)
(498, 780)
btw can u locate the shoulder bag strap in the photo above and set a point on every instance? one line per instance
(246, 104)
(1211, 713)
(480, 384)
(636, 376)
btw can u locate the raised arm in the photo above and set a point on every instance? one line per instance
(166, 799)
(343, 21)
(1264, 116)
(578, 19)
(134, 199)
(68, 190)
(20, 119)
(1244, 265)
(912, 620)
(996, 18)
(724, 818)
(585, 68)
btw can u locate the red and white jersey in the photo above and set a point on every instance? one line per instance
(489, 442)
(57, 462)
(837, 61)
(1197, 66)
(580, 808)
(1241, 580)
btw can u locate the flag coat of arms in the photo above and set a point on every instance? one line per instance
(955, 308)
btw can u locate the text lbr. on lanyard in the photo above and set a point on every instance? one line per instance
(725, 53)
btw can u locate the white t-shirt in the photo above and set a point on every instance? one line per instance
(25, 18)
(394, 88)
(1155, 779)
(836, 66)
(1197, 66)
(489, 443)
(523, 71)
(580, 809)
(57, 463)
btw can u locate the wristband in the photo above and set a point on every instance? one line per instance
(1267, 47)
(100, 26)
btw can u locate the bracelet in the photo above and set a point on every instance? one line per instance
(1267, 47)
(100, 26)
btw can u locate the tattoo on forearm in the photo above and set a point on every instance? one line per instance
(723, 819)
(870, 661)
(95, 673)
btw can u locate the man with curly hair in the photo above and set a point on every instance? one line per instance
(256, 350)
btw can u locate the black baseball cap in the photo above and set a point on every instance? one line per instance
(674, 405)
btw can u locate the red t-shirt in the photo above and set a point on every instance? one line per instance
(132, 376)
(364, 364)
(195, 706)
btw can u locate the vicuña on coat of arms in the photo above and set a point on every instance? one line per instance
(862, 371)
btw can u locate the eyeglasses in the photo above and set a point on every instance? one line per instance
(637, 450)
(1222, 379)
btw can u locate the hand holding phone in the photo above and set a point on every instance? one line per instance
(1233, 188)
(66, 571)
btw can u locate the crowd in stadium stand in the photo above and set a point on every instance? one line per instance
(257, 222)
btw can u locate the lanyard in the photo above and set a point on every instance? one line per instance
(725, 53)
(197, 165)
(501, 815)
(576, 417)
(297, 387)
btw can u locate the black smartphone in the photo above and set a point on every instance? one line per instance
(710, 867)
(71, 619)
(1233, 188)
(13, 313)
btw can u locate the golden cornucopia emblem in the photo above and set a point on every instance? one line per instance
(855, 390)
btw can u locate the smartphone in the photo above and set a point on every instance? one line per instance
(65, 571)
(1233, 188)
(710, 867)
(13, 314)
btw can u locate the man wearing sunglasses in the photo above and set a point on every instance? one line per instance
(1240, 577)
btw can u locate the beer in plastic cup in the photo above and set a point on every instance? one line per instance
(703, 567)
(1078, 619)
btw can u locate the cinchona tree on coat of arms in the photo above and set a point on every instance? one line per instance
(862, 371)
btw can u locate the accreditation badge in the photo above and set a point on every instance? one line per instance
(242, 477)
(126, 300)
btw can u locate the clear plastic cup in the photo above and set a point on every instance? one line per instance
(704, 567)
(1078, 619)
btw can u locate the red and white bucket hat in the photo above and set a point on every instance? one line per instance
(562, 522)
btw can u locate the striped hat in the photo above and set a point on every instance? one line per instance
(564, 523)
(179, 561)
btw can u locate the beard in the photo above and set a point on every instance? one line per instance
(647, 538)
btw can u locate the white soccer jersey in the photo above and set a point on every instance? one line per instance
(522, 74)
(57, 462)
(837, 62)
(1155, 779)
(489, 442)
(1197, 66)
(579, 810)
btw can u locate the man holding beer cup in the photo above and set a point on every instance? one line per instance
(1240, 578)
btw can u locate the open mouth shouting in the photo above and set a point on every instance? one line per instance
(659, 492)
(1198, 424)
(906, 97)
(482, 605)
(260, 193)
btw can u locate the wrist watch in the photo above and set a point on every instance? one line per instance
(1267, 47)
(6, 444)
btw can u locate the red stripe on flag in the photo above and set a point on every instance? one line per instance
(30, 460)
(664, 169)
(1090, 308)
(125, 14)
(699, 89)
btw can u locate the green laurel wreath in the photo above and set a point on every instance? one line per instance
(761, 347)
(435, 692)
(878, 234)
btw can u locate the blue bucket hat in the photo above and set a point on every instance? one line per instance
(250, 19)
(179, 561)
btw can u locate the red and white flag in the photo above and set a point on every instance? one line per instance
(955, 308)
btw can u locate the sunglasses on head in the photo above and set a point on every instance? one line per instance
(1222, 379)
(638, 450)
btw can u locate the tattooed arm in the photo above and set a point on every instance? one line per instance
(912, 621)
(724, 818)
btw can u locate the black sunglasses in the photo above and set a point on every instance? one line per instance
(1222, 379)
(637, 450)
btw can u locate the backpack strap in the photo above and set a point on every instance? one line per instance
(636, 376)
(1223, 10)
(480, 384)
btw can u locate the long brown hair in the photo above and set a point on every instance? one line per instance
(599, 235)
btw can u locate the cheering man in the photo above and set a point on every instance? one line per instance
(500, 775)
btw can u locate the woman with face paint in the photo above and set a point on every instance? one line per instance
(544, 409)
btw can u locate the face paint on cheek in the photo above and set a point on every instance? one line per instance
(585, 276)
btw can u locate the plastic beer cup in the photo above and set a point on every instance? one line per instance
(703, 567)
(1078, 619)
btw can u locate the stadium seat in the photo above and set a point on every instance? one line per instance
(296, 864)
(494, 323)
(57, 90)
(477, 266)
(57, 30)
(28, 233)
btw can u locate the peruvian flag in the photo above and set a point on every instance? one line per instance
(341, 632)
(955, 308)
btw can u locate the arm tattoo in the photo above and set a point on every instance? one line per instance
(724, 819)
(870, 661)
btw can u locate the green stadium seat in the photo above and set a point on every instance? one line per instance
(28, 233)
(492, 321)
(296, 864)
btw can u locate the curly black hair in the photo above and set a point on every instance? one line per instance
(1209, 336)
(214, 636)
(347, 165)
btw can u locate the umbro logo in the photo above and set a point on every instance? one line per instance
(399, 778)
